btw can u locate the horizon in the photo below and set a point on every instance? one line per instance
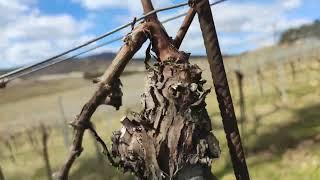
(32, 28)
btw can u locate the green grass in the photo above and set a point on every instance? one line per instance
(281, 138)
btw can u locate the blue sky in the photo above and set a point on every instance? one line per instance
(35, 29)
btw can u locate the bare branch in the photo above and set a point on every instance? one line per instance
(184, 27)
(103, 144)
(147, 7)
(108, 88)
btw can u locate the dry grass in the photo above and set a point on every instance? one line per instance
(281, 137)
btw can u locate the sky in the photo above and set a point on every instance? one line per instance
(32, 30)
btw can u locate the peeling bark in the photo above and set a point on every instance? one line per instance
(171, 137)
(173, 131)
(172, 134)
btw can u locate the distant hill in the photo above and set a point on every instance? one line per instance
(89, 64)
(96, 62)
(303, 32)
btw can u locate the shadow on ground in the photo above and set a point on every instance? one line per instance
(306, 126)
(91, 169)
(277, 141)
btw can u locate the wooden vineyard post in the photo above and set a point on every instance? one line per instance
(3, 84)
(293, 70)
(222, 89)
(282, 82)
(63, 123)
(242, 119)
(45, 154)
(1, 174)
(260, 80)
(10, 149)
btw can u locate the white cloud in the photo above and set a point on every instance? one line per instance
(249, 24)
(238, 24)
(101, 4)
(10, 10)
(252, 17)
(27, 35)
(133, 6)
(291, 4)
(104, 4)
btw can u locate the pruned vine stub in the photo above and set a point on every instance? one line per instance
(172, 136)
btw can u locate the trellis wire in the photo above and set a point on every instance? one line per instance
(53, 60)
(10, 76)
(50, 63)
(185, 13)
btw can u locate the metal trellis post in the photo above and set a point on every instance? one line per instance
(222, 88)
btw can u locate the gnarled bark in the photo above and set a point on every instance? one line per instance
(173, 131)
(171, 137)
